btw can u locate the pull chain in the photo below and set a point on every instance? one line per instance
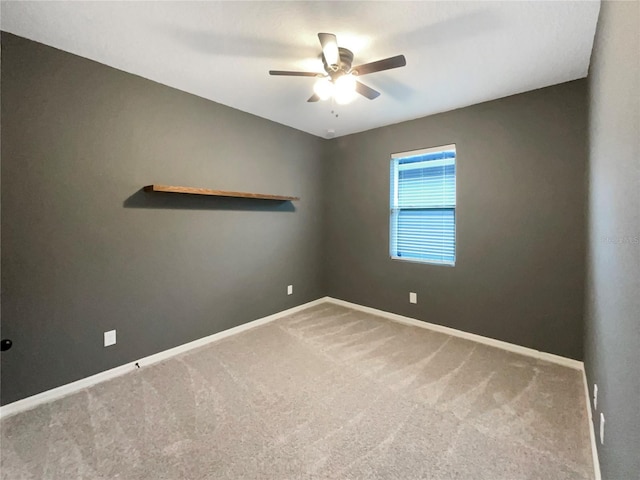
(333, 107)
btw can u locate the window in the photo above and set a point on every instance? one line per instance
(423, 206)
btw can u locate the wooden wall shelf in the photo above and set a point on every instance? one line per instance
(216, 193)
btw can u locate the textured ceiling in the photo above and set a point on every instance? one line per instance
(458, 53)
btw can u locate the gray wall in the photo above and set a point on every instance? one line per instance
(84, 251)
(612, 340)
(519, 275)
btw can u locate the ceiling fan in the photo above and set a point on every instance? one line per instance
(340, 81)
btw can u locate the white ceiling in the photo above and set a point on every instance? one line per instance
(458, 53)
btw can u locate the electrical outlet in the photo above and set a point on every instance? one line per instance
(109, 338)
(289, 289)
(601, 428)
(413, 297)
(595, 396)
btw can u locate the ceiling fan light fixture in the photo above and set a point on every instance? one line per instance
(324, 88)
(345, 89)
(342, 98)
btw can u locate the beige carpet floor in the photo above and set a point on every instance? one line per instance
(326, 393)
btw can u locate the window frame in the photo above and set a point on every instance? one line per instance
(394, 210)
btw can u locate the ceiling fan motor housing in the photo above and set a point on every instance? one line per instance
(346, 60)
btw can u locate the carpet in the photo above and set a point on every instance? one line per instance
(325, 393)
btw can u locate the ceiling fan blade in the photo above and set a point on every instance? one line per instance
(386, 64)
(329, 48)
(314, 98)
(294, 74)
(366, 91)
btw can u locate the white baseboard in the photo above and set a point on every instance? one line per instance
(530, 352)
(592, 432)
(64, 390)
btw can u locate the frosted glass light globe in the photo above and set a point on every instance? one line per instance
(324, 88)
(345, 90)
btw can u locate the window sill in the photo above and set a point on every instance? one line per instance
(424, 262)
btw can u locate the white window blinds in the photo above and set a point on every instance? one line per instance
(423, 206)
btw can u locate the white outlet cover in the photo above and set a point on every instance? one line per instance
(413, 297)
(289, 289)
(601, 428)
(595, 396)
(109, 338)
